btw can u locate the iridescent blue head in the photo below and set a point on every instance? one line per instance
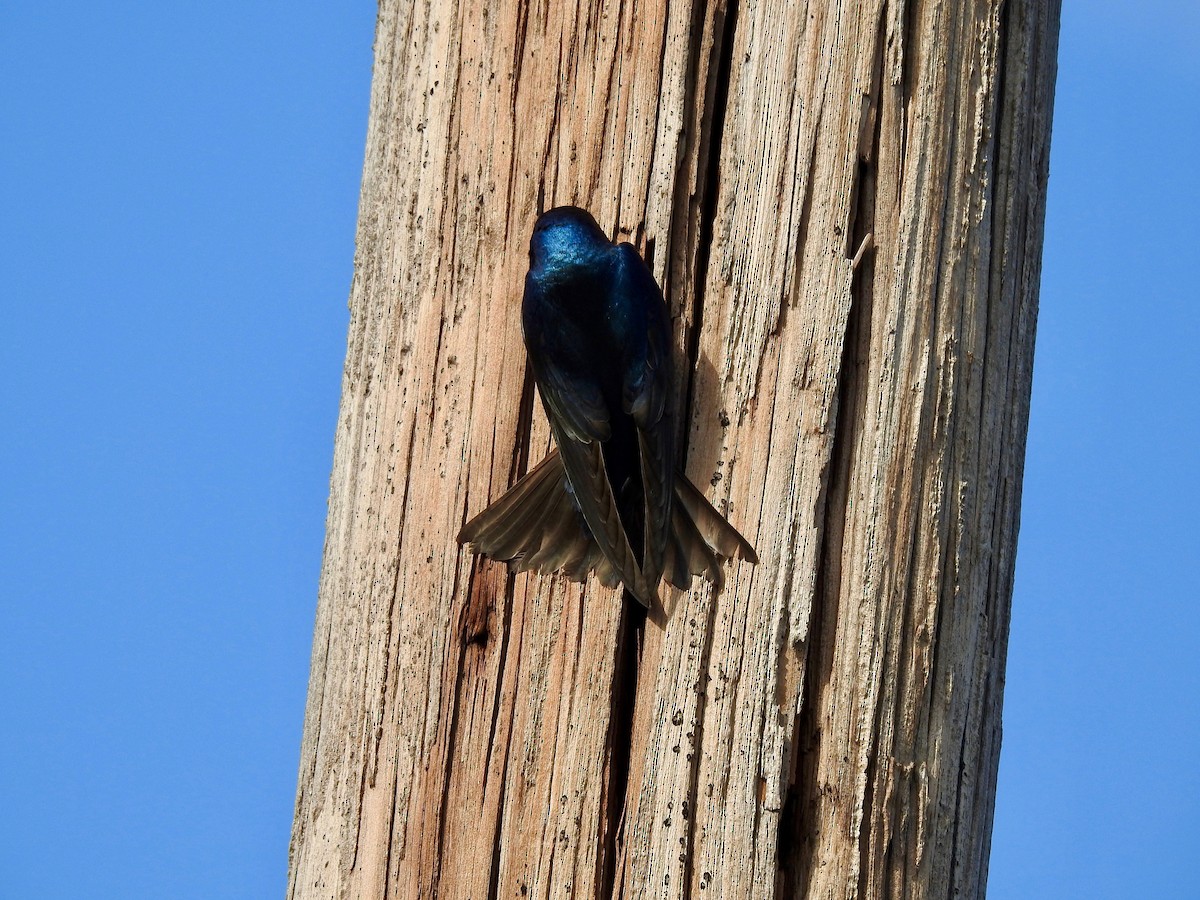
(565, 239)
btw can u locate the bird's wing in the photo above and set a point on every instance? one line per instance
(647, 387)
(574, 404)
(648, 363)
(579, 420)
(590, 488)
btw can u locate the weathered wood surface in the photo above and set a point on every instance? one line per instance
(829, 724)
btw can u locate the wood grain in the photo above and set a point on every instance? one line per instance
(844, 203)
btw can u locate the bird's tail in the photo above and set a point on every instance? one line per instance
(536, 525)
(701, 539)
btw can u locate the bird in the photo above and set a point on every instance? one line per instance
(610, 498)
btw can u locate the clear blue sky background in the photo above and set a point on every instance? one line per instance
(178, 184)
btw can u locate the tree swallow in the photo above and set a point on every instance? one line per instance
(610, 498)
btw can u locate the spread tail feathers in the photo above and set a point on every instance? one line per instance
(701, 539)
(537, 526)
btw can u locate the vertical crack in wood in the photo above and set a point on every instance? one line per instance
(708, 179)
(709, 169)
(620, 737)
(510, 583)
(862, 290)
(520, 464)
(798, 825)
(799, 822)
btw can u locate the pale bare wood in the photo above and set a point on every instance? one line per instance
(828, 725)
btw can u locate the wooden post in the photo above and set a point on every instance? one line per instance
(844, 203)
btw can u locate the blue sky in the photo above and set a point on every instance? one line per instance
(179, 184)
